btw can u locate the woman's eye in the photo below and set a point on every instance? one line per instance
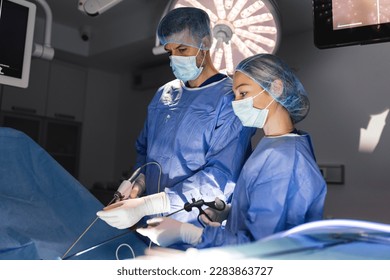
(182, 50)
(242, 94)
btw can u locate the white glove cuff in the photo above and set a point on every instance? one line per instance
(190, 234)
(156, 203)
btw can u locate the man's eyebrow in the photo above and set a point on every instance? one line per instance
(179, 46)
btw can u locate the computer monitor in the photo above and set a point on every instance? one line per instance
(340, 23)
(17, 21)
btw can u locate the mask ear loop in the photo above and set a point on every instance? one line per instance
(204, 56)
(253, 97)
(248, 98)
(200, 49)
(270, 103)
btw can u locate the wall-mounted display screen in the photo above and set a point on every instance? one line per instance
(17, 21)
(350, 22)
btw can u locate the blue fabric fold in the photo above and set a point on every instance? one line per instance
(43, 209)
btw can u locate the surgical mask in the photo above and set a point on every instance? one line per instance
(184, 67)
(249, 115)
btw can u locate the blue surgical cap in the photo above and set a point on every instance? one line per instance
(274, 75)
(187, 26)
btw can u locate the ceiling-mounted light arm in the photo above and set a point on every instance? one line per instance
(45, 51)
(218, 53)
(223, 32)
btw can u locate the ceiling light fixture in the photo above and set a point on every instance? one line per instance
(241, 28)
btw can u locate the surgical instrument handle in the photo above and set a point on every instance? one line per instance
(197, 204)
(218, 205)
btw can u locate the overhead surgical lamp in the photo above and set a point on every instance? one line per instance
(241, 28)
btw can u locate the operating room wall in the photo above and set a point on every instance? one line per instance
(142, 84)
(115, 112)
(132, 113)
(99, 134)
(346, 86)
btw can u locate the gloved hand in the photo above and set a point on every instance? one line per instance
(217, 216)
(128, 190)
(126, 213)
(138, 187)
(165, 231)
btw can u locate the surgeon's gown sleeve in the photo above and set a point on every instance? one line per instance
(198, 141)
(279, 187)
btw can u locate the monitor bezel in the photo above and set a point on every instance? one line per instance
(24, 79)
(326, 37)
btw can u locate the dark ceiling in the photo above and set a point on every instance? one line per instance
(141, 17)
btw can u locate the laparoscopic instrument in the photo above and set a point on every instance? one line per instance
(121, 194)
(218, 205)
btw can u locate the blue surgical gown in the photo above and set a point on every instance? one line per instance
(198, 141)
(280, 186)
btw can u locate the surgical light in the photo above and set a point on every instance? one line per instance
(241, 28)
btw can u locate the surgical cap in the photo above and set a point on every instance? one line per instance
(273, 75)
(187, 26)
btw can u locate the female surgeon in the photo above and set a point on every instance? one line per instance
(191, 130)
(280, 185)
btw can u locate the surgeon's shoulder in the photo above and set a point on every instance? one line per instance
(174, 84)
(279, 149)
(168, 89)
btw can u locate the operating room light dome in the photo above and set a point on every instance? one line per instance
(241, 28)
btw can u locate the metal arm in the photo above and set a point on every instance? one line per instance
(45, 51)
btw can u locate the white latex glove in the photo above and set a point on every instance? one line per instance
(217, 216)
(165, 231)
(126, 213)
